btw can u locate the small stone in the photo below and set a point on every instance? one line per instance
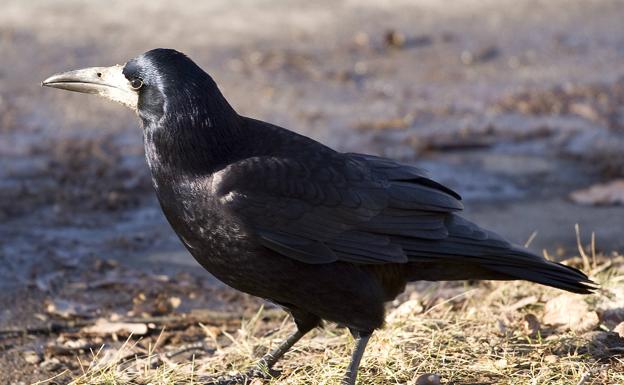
(51, 364)
(31, 357)
(175, 302)
(428, 379)
(501, 364)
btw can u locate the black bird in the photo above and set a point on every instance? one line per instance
(327, 235)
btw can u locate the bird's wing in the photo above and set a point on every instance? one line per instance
(368, 210)
(392, 170)
(335, 207)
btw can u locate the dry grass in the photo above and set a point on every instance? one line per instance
(484, 334)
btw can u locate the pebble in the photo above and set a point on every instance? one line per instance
(31, 357)
(428, 379)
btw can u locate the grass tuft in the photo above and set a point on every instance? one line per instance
(485, 334)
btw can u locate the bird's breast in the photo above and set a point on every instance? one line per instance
(212, 236)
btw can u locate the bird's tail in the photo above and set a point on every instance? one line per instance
(521, 264)
(470, 252)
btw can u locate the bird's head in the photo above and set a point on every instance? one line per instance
(185, 117)
(151, 84)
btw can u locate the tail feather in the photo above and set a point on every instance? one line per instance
(469, 247)
(542, 271)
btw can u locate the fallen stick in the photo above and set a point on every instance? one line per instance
(155, 324)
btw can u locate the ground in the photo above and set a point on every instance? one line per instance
(486, 333)
(516, 105)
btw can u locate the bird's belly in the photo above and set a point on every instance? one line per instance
(340, 292)
(337, 292)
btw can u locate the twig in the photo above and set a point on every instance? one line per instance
(531, 238)
(593, 249)
(175, 322)
(522, 303)
(64, 372)
(449, 300)
(579, 244)
(51, 328)
(65, 350)
(189, 347)
(155, 324)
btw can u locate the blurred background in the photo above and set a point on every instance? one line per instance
(517, 105)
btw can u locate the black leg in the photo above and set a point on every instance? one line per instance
(271, 358)
(360, 345)
(304, 321)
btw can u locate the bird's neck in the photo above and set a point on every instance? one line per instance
(194, 138)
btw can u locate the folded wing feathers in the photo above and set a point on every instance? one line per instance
(303, 250)
(413, 196)
(398, 216)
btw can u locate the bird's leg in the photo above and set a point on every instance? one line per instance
(271, 358)
(360, 345)
(305, 322)
(260, 369)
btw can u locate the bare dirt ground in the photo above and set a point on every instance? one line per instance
(513, 104)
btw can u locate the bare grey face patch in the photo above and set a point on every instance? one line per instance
(108, 82)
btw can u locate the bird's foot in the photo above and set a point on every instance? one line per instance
(241, 378)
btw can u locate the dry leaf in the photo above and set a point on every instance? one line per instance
(405, 310)
(551, 359)
(569, 311)
(531, 324)
(105, 327)
(585, 110)
(611, 193)
(619, 329)
(397, 123)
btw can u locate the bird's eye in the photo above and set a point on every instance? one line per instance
(136, 83)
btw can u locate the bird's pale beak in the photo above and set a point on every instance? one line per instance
(108, 82)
